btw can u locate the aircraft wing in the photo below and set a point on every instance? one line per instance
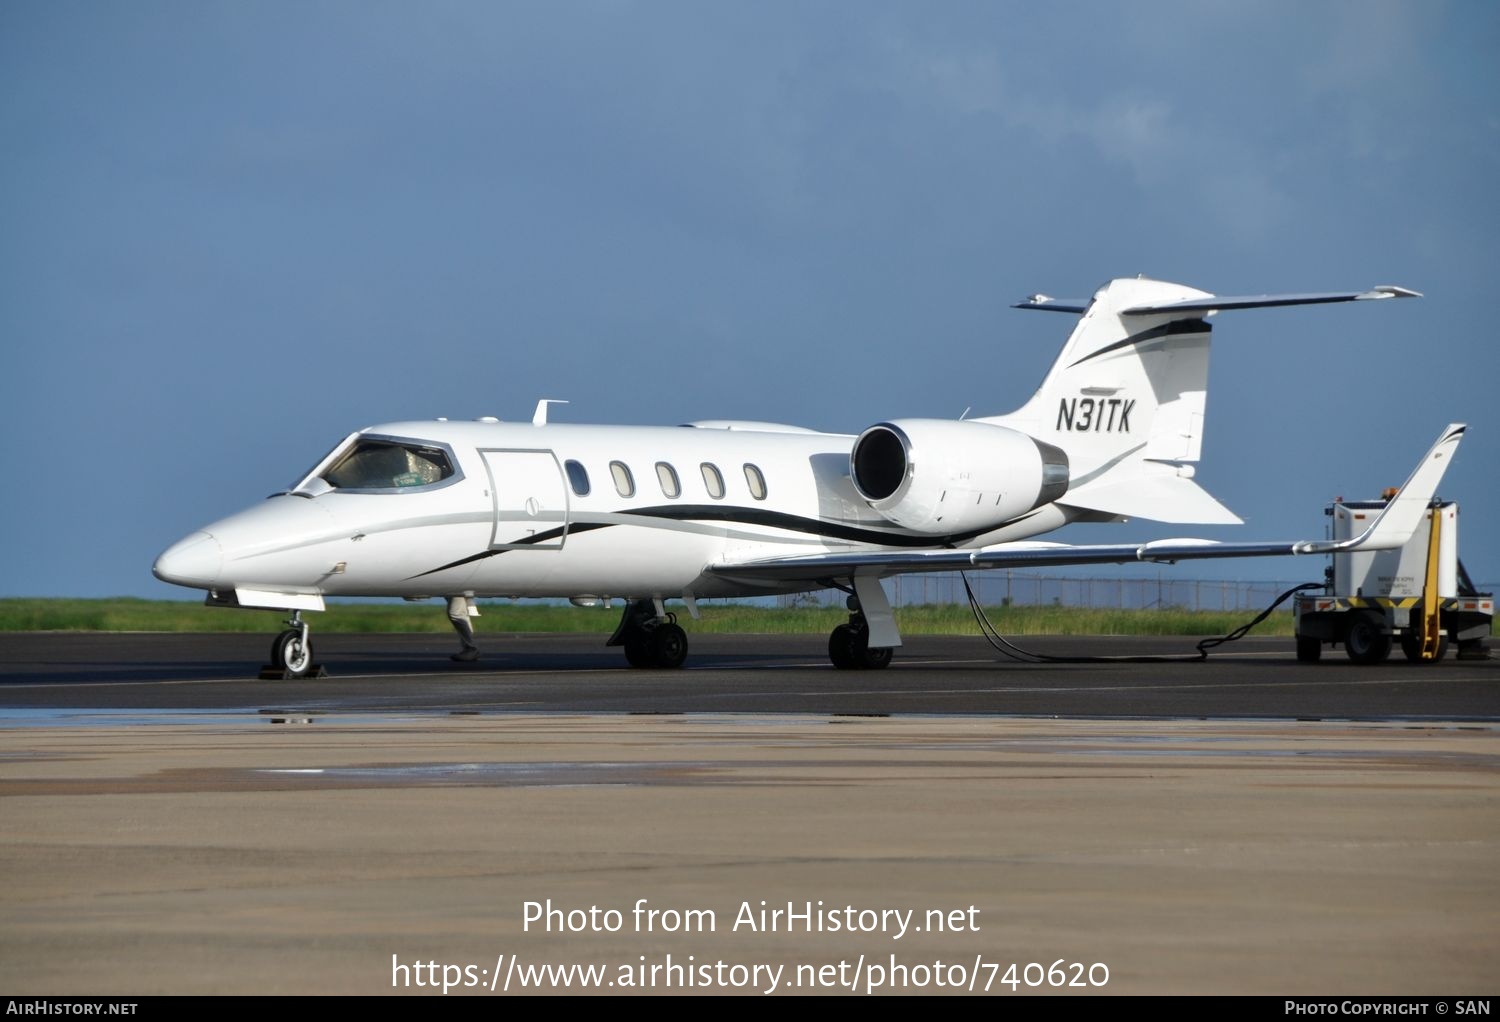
(1392, 528)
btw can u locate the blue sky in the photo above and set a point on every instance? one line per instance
(231, 233)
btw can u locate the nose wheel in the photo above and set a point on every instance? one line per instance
(292, 653)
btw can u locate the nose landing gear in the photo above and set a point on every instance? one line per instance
(292, 653)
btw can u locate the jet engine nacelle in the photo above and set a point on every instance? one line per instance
(940, 476)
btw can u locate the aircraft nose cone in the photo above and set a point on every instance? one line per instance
(194, 561)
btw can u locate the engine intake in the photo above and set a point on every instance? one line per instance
(940, 476)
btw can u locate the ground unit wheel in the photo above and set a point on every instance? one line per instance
(1411, 647)
(1366, 641)
(1309, 649)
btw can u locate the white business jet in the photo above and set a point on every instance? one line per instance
(643, 515)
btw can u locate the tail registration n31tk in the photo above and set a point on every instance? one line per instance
(643, 515)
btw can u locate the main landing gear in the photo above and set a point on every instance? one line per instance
(849, 644)
(292, 652)
(651, 637)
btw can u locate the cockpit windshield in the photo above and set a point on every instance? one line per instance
(388, 465)
(365, 463)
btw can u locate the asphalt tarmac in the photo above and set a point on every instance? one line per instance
(550, 821)
(1254, 677)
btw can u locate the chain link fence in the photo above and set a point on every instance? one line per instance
(1023, 588)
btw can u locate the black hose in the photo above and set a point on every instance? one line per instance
(1014, 652)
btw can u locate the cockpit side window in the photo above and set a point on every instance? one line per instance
(389, 465)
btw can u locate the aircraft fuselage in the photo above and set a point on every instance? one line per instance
(556, 510)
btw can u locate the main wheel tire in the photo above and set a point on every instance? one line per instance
(291, 654)
(871, 658)
(638, 652)
(1309, 649)
(876, 658)
(669, 645)
(1366, 641)
(841, 647)
(1411, 648)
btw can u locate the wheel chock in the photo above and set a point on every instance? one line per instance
(270, 673)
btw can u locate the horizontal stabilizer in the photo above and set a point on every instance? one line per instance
(1218, 303)
(1045, 303)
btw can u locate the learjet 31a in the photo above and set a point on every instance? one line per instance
(643, 515)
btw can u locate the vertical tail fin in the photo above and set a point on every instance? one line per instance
(1126, 397)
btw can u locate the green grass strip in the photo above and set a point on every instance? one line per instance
(137, 615)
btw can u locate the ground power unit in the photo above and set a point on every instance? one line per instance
(1417, 596)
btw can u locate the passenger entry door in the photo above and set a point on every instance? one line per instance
(529, 499)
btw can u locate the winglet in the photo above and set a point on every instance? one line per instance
(1394, 526)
